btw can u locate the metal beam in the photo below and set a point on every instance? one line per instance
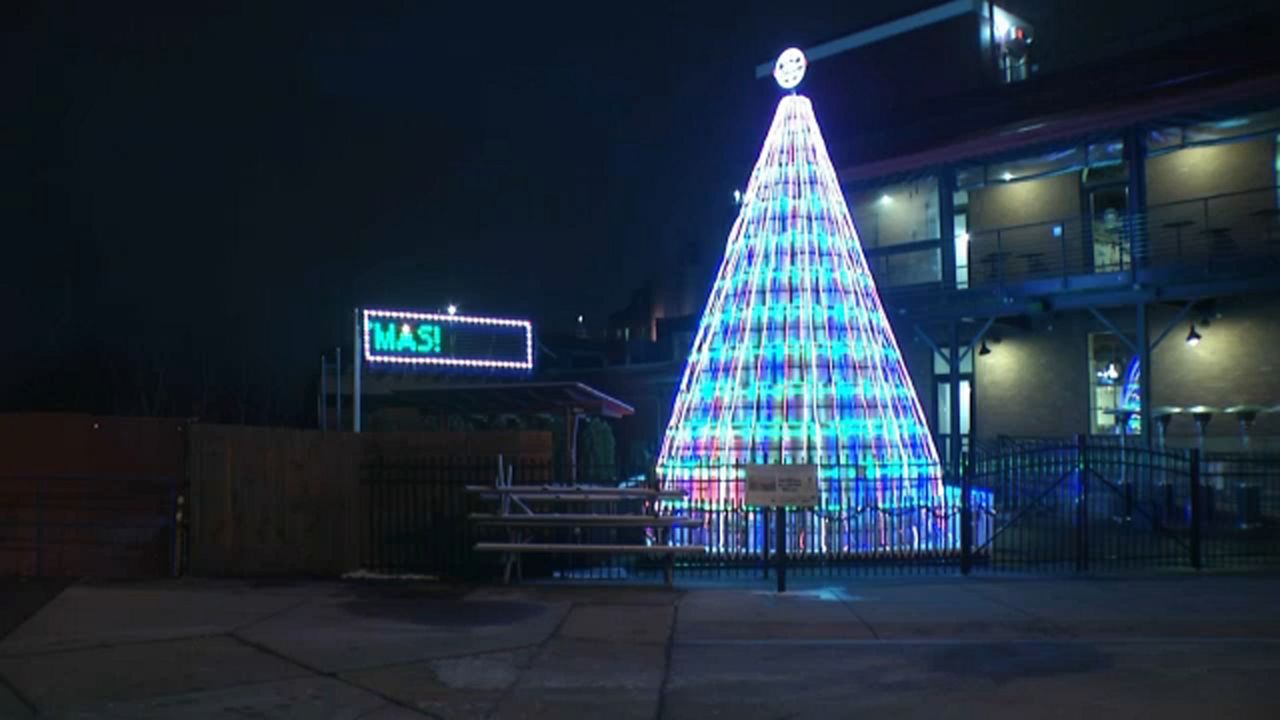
(928, 340)
(1133, 348)
(883, 31)
(976, 339)
(979, 302)
(1177, 320)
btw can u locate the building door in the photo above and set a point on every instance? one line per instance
(1106, 204)
(943, 402)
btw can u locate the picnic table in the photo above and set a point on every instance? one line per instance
(524, 510)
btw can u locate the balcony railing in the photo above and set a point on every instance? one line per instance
(1214, 234)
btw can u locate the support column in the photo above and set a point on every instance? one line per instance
(947, 225)
(953, 455)
(1142, 335)
(1135, 156)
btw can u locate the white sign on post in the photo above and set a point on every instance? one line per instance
(782, 485)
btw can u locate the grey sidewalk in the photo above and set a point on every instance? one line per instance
(945, 647)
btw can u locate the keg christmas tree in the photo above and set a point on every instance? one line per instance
(794, 361)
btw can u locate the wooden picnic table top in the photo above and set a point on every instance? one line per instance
(575, 492)
(590, 548)
(583, 519)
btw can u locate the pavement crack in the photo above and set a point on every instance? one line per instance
(271, 615)
(450, 656)
(13, 689)
(668, 651)
(109, 645)
(844, 600)
(539, 648)
(332, 675)
(1016, 608)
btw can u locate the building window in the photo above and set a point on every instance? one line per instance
(1212, 189)
(898, 225)
(1035, 216)
(1009, 39)
(960, 204)
(1114, 384)
(897, 214)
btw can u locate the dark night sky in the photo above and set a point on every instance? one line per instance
(211, 190)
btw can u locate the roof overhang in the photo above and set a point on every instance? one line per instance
(1061, 128)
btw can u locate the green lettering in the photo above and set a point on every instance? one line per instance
(430, 338)
(384, 337)
(405, 341)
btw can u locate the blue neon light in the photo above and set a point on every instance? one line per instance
(795, 362)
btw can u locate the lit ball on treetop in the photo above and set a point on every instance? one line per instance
(789, 70)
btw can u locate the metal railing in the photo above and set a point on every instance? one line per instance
(417, 511)
(1028, 505)
(1220, 233)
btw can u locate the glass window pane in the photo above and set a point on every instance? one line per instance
(904, 212)
(1112, 381)
(944, 409)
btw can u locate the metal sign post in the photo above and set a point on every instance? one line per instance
(357, 363)
(780, 487)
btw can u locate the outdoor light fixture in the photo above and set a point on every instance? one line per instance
(1193, 337)
(1007, 176)
(579, 319)
(453, 309)
(984, 350)
(1110, 372)
(886, 199)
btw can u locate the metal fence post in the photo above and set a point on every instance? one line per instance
(764, 550)
(1196, 508)
(1082, 503)
(781, 549)
(175, 523)
(966, 517)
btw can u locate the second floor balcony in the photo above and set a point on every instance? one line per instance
(1207, 205)
(1224, 234)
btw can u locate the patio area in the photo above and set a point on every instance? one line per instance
(1176, 646)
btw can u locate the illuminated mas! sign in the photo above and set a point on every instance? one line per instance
(411, 338)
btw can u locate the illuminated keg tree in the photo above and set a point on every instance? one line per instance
(794, 361)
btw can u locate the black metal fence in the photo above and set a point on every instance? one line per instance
(417, 519)
(1080, 505)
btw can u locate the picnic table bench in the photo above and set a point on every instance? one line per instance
(522, 512)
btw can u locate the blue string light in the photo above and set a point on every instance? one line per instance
(794, 361)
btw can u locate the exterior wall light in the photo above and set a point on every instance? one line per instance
(1193, 337)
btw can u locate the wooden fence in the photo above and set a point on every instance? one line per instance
(84, 495)
(266, 501)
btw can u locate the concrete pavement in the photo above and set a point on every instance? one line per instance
(1183, 646)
